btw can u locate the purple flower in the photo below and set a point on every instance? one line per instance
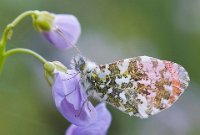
(71, 99)
(99, 127)
(64, 32)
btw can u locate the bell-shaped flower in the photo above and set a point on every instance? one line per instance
(98, 127)
(61, 30)
(71, 99)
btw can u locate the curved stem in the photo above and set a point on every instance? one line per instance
(9, 27)
(7, 33)
(26, 51)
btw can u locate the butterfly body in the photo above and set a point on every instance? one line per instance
(140, 86)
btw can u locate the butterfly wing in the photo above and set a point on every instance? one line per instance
(141, 86)
(161, 84)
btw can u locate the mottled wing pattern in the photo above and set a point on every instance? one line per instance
(140, 86)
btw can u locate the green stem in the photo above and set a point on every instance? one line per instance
(2, 58)
(26, 51)
(10, 26)
(7, 33)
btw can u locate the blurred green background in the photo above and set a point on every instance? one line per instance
(111, 30)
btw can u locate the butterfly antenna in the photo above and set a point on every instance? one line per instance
(60, 32)
(76, 48)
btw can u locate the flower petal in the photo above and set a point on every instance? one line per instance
(64, 32)
(71, 99)
(99, 127)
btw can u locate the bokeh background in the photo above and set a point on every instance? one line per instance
(111, 30)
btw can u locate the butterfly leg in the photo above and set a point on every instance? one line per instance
(80, 111)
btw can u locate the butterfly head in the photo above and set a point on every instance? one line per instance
(83, 65)
(78, 63)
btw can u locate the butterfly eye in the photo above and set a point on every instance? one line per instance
(82, 66)
(88, 71)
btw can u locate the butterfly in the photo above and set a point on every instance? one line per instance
(141, 86)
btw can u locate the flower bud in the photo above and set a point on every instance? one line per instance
(43, 21)
(50, 68)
